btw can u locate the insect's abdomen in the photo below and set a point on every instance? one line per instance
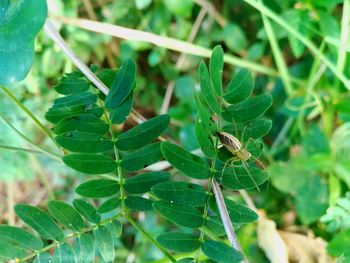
(229, 140)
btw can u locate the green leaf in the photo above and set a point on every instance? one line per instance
(220, 252)
(140, 159)
(300, 21)
(84, 142)
(40, 221)
(204, 116)
(43, 258)
(84, 248)
(72, 84)
(10, 252)
(250, 109)
(138, 203)
(142, 183)
(207, 88)
(182, 9)
(104, 243)
(81, 123)
(66, 215)
(20, 21)
(238, 177)
(311, 200)
(121, 113)
(204, 139)
(239, 214)
(186, 260)
(216, 68)
(109, 205)
(143, 134)
(20, 237)
(186, 162)
(179, 242)
(214, 224)
(182, 215)
(84, 98)
(90, 163)
(98, 188)
(181, 193)
(54, 115)
(115, 228)
(87, 210)
(122, 85)
(240, 87)
(64, 254)
(339, 245)
(234, 37)
(254, 129)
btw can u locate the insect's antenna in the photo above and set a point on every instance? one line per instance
(249, 174)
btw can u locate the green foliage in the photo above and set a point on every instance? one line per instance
(20, 22)
(220, 252)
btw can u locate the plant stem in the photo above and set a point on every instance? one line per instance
(45, 151)
(161, 41)
(51, 31)
(150, 238)
(277, 53)
(232, 237)
(266, 11)
(68, 237)
(13, 148)
(29, 113)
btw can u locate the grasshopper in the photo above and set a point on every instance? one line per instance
(232, 144)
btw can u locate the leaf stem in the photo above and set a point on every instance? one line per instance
(266, 11)
(43, 150)
(150, 238)
(165, 42)
(68, 237)
(29, 113)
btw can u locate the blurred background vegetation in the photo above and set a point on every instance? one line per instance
(307, 152)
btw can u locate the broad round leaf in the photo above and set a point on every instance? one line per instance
(142, 183)
(216, 67)
(138, 203)
(90, 163)
(66, 215)
(182, 215)
(179, 242)
(81, 123)
(220, 252)
(9, 252)
(109, 205)
(207, 89)
(181, 193)
(20, 21)
(143, 134)
(20, 237)
(122, 84)
(186, 162)
(87, 210)
(84, 248)
(250, 109)
(104, 243)
(40, 221)
(240, 87)
(98, 188)
(139, 159)
(84, 142)
(64, 253)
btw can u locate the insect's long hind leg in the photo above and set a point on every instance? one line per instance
(235, 174)
(249, 174)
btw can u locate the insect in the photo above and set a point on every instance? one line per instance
(241, 154)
